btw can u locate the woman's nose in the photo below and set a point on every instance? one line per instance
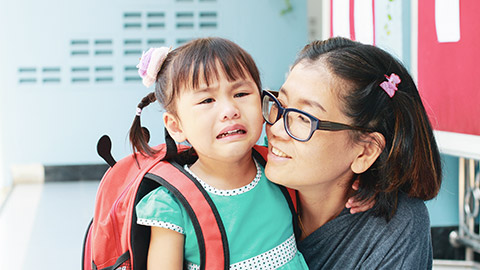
(278, 129)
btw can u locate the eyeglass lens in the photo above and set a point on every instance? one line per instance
(297, 124)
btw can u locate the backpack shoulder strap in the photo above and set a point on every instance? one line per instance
(211, 235)
(260, 153)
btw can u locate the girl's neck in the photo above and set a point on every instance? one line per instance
(318, 206)
(226, 174)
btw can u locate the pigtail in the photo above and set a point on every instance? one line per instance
(149, 67)
(139, 136)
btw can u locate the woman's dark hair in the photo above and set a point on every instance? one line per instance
(410, 161)
(197, 61)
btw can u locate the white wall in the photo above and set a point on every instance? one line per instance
(67, 67)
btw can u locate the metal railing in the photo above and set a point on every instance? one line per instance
(469, 205)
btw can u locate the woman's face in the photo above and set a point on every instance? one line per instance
(324, 160)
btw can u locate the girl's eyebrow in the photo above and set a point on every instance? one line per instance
(240, 83)
(206, 89)
(304, 101)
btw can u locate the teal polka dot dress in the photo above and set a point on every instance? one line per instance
(256, 217)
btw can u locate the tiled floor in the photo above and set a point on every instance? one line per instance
(42, 226)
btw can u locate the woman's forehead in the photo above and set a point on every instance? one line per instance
(308, 79)
(319, 77)
(313, 86)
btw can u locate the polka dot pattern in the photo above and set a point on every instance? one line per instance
(229, 192)
(272, 259)
(161, 224)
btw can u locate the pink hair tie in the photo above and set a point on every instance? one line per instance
(150, 63)
(390, 86)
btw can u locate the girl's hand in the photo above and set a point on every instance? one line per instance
(359, 206)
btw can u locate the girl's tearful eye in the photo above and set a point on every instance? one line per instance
(207, 100)
(242, 94)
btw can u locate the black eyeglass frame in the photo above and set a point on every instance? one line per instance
(316, 124)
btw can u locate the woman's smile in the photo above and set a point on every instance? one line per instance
(277, 152)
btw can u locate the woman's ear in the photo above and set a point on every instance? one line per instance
(372, 147)
(172, 124)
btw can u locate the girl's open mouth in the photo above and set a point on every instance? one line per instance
(231, 132)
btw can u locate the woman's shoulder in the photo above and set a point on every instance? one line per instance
(411, 218)
(412, 212)
(411, 215)
(336, 244)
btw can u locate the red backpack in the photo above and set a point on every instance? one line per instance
(114, 240)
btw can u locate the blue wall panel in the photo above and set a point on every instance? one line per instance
(68, 67)
(444, 208)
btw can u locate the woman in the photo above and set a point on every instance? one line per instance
(347, 112)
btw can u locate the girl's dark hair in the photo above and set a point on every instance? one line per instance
(197, 61)
(410, 161)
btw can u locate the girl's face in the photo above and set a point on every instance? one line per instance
(324, 160)
(222, 121)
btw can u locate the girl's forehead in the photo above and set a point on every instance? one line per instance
(202, 78)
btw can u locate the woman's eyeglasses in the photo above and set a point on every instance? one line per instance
(298, 124)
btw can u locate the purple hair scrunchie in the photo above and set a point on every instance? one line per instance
(150, 63)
